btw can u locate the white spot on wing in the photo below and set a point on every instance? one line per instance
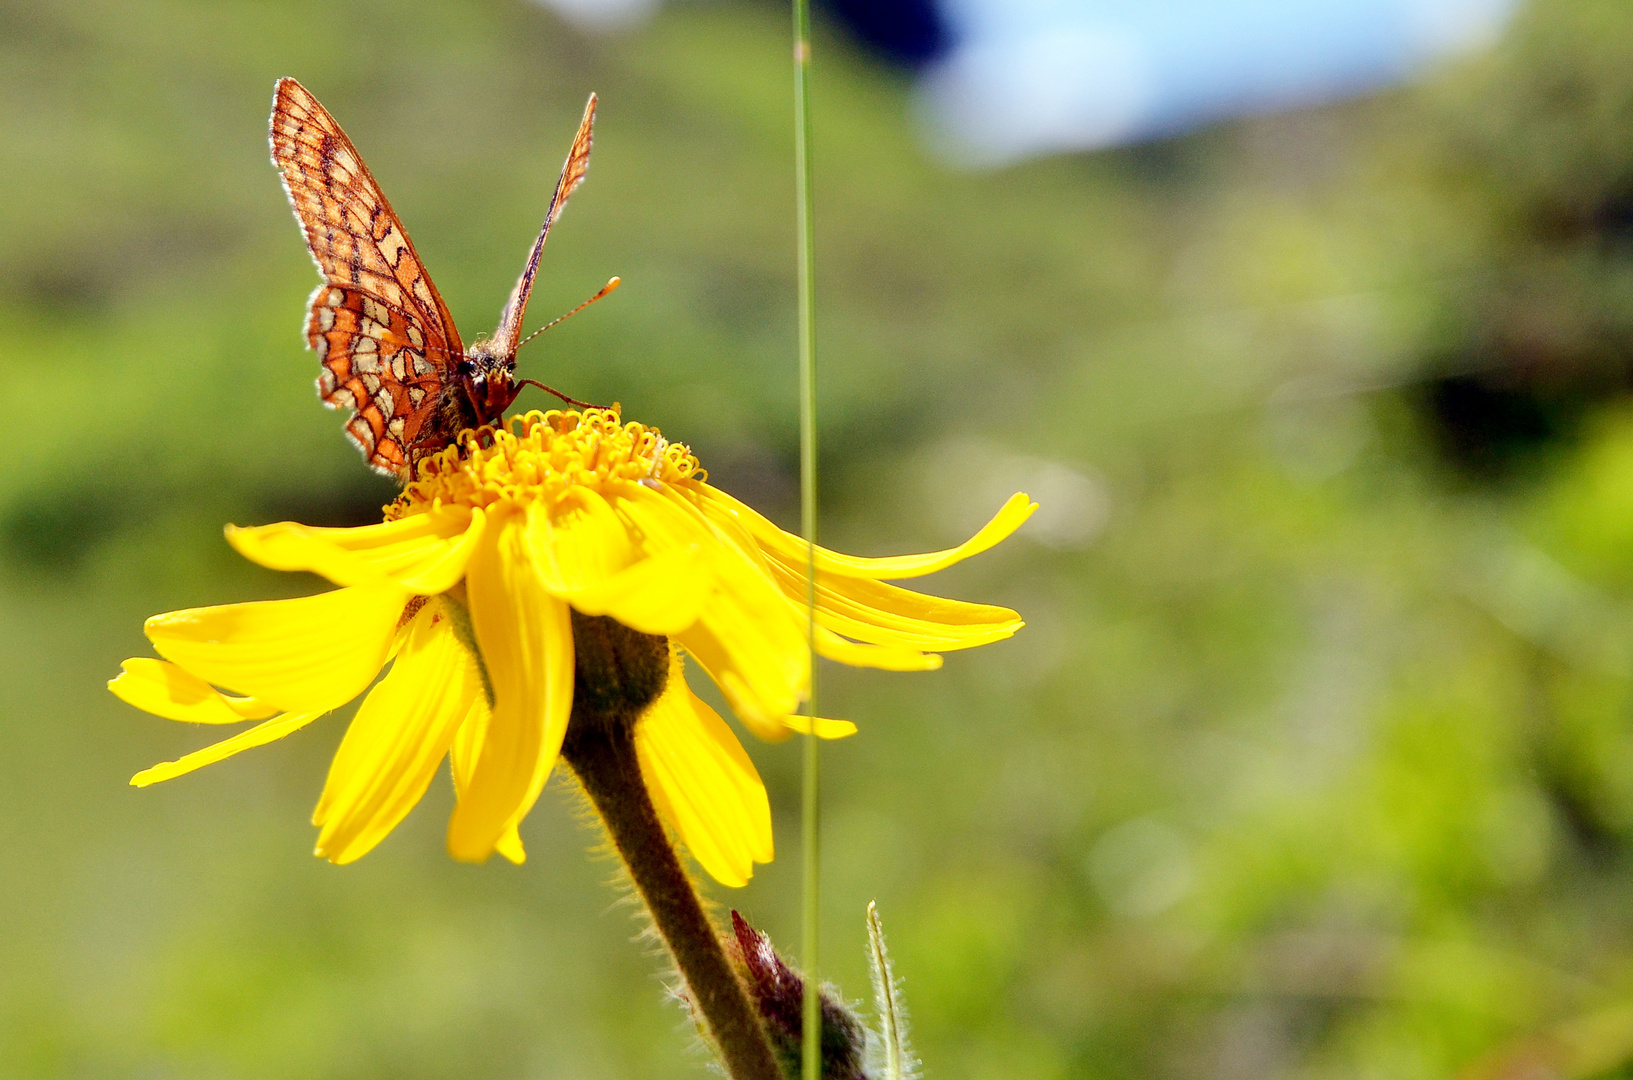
(359, 430)
(392, 245)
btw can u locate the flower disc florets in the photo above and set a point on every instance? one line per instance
(542, 456)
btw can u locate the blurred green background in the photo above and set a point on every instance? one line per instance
(1314, 760)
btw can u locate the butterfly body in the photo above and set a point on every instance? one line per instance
(389, 348)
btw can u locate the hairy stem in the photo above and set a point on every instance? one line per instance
(605, 762)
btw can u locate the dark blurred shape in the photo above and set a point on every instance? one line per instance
(357, 501)
(63, 288)
(1546, 325)
(1488, 424)
(910, 32)
(54, 529)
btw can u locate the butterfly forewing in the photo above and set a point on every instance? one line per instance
(381, 330)
(572, 174)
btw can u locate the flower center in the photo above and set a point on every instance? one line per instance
(541, 456)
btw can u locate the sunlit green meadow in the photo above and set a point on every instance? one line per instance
(1314, 760)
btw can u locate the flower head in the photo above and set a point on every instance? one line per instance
(468, 590)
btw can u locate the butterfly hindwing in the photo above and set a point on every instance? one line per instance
(375, 363)
(381, 329)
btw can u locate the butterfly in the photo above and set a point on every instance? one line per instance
(388, 346)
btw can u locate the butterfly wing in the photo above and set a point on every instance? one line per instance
(380, 328)
(572, 174)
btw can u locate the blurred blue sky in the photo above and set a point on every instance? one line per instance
(1028, 77)
(1003, 80)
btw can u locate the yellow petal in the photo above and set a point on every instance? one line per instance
(423, 553)
(666, 519)
(658, 594)
(401, 733)
(704, 785)
(580, 543)
(717, 503)
(462, 758)
(750, 640)
(166, 690)
(760, 662)
(881, 614)
(259, 735)
(310, 654)
(527, 643)
(825, 728)
(831, 646)
(510, 845)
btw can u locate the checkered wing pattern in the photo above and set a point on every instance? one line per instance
(380, 329)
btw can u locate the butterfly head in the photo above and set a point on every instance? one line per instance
(488, 377)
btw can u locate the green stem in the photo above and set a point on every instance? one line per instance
(604, 760)
(811, 1041)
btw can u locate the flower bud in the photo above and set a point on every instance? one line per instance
(778, 993)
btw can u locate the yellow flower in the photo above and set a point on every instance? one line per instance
(469, 589)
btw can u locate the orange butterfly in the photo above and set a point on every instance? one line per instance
(389, 348)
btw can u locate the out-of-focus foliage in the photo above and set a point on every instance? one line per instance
(1316, 758)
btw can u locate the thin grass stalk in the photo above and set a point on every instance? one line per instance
(811, 1026)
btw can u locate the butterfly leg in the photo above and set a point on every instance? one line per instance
(552, 390)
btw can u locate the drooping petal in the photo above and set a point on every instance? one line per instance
(423, 553)
(703, 784)
(462, 759)
(831, 646)
(746, 636)
(717, 503)
(166, 690)
(659, 593)
(881, 614)
(310, 654)
(401, 733)
(754, 650)
(825, 728)
(259, 735)
(526, 639)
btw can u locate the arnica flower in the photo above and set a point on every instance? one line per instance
(471, 589)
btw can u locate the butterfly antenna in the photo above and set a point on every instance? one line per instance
(605, 289)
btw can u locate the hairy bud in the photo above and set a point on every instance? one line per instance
(778, 993)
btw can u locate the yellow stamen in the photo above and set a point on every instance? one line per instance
(541, 457)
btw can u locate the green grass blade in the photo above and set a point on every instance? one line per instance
(811, 1046)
